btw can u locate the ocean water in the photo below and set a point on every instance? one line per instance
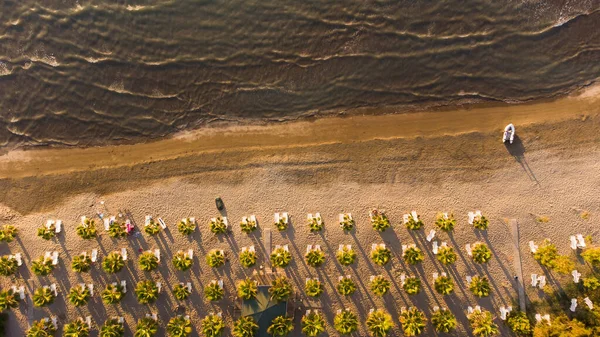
(82, 73)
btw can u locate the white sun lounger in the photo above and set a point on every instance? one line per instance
(162, 223)
(147, 220)
(589, 303)
(91, 288)
(49, 223)
(402, 279)
(106, 224)
(431, 235)
(471, 216)
(404, 248)
(157, 254)
(190, 253)
(54, 258)
(533, 247)
(469, 279)
(220, 283)
(58, 226)
(445, 216)
(308, 248)
(159, 286)
(54, 321)
(542, 282)
(534, 280)
(189, 286)
(468, 249)
(435, 276)
(576, 276)
(538, 318)
(120, 319)
(414, 215)
(124, 253)
(469, 310)
(435, 247)
(546, 317)
(94, 255)
(444, 244)
(88, 321)
(580, 241)
(573, 242)
(436, 308)
(53, 289)
(83, 218)
(504, 311)
(405, 218)
(124, 286)
(17, 257)
(47, 255)
(444, 274)
(573, 304)
(21, 292)
(154, 316)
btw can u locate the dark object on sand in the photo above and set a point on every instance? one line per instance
(219, 203)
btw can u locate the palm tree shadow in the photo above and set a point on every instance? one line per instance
(517, 150)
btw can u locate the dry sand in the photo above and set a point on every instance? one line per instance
(451, 161)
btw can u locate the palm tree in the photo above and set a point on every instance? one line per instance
(381, 256)
(247, 289)
(345, 322)
(443, 285)
(87, 230)
(76, 328)
(413, 321)
(218, 226)
(313, 287)
(152, 228)
(79, 295)
(445, 224)
(481, 223)
(215, 258)
(315, 257)
(280, 326)
(113, 263)
(146, 291)
(412, 285)
(443, 320)
(245, 326)
(146, 327)
(281, 289)
(379, 221)
(117, 230)
(213, 291)
(186, 226)
(8, 300)
(446, 255)
(179, 326)
(42, 266)
(43, 296)
(346, 256)
(112, 328)
(112, 294)
(248, 258)
(181, 291)
(519, 323)
(280, 257)
(481, 252)
(379, 323)
(480, 286)
(347, 223)
(41, 328)
(346, 286)
(482, 324)
(81, 263)
(148, 261)
(8, 265)
(380, 285)
(248, 226)
(414, 224)
(182, 261)
(47, 232)
(413, 255)
(8, 233)
(212, 325)
(313, 324)
(315, 224)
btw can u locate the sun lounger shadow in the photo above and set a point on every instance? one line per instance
(517, 150)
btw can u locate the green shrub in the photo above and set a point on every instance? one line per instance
(481, 252)
(146, 292)
(117, 230)
(81, 263)
(413, 321)
(179, 326)
(8, 265)
(445, 224)
(42, 266)
(79, 296)
(482, 324)
(148, 261)
(414, 224)
(345, 322)
(412, 285)
(146, 327)
(8, 233)
(113, 263)
(379, 221)
(381, 256)
(546, 254)
(247, 289)
(215, 258)
(43, 296)
(379, 323)
(592, 255)
(248, 258)
(281, 224)
(248, 226)
(8, 300)
(519, 323)
(443, 285)
(346, 286)
(280, 257)
(218, 226)
(182, 261)
(413, 255)
(481, 223)
(152, 227)
(313, 287)
(181, 291)
(315, 257)
(112, 294)
(112, 328)
(77, 328)
(47, 233)
(563, 326)
(446, 255)
(245, 326)
(480, 286)
(591, 283)
(87, 230)
(41, 328)
(380, 285)
(186, 226)
(563, 265)
(346, 256)
(347, 224)
(213, 292)
(443, 321)
(280, 326)
(212, 325)
(313, 324)
(281, 289)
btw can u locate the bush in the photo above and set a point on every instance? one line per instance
(347, 224)
(412, 285)
(148, 261)
(181, 291)
(313, 288)
(41, 328)
(280, 257)
(445, 224)
(112, 294)
(8, 300)
(380, 285)
(212, 325)
(413, 255)
(563, 265)
(345, 322)
(218, 226)
(42, 297)
(179, 327)
(280, 326)
(42, 266)
(562, 326)
(281, 289)
(346, 256)
(146, 292)
(146, 327)
(248, 258)
(313, 324)
(519, 323)
(315, 224)
(117, 230)
(215, 258)
(113, 263)
(79, 296)
(446, 255)
(182, 261)
(592, 255)
(47, 233)
(481, 223)
(379, 323)
(8, 233)
(443, 285)
(152, 228)
(8, 266)
(481, 252)
(315, 257)
(247, 289)
(81, 263)
(213, 292)
(112, 328)
(443, 321)
(414, 224)
(546, 254)
(482, 324)
(480, 286)
(186, 226)
(249, 226)
(379, 221)
(77, 328)
(245, 326)
(87, 230)
(346, 286)
(281, 224)
(591, 283)
(413, 321)
(381, 256)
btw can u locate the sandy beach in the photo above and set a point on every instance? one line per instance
(430, 161)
